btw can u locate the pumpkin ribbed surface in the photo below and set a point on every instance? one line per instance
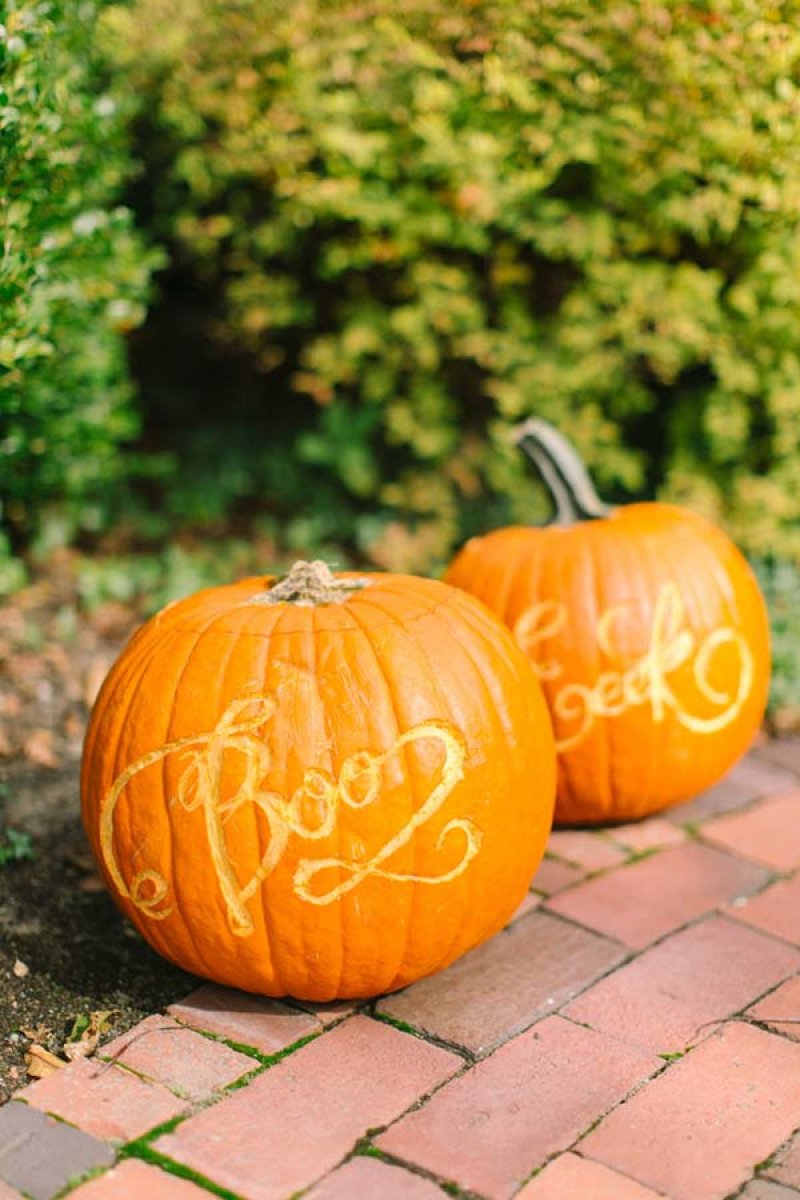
(319, 798)
(650, 638)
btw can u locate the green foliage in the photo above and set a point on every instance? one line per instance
(780, 582)
(73, 276)
(423, 221)
(149, 581)
(14, 847)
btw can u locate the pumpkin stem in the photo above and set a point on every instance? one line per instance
(310, 583)
(563, 472)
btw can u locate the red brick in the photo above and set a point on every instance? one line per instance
(369, 1179)
(570, 1177)
(265, 1025)
(695, 1132)
(725, 796)
(786, 1167)
(704, 973)
(652, 834)
(105, 1101)
(765, 1189)
(554, 875)
(749, 780)
(781, 1009)
(133, 1180)
(639, 903)
(501, 988)
(529, 902)
(776, 910)
(590, 850)
(295, 1122)
(9, 1193)
(783, 752)
(489, 1129)
(327, 1014)
(183, 1061)
(769, 832)
(40, 1155)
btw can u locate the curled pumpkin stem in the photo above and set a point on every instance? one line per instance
(563, 471)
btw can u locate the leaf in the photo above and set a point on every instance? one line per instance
(84, 1048)
(15, 846)
(40, 1063)
(92, 884)
(93, 680)
(86, 1031)
(80, 1027)
(39, 748)
(90, 880)
(40, 1033)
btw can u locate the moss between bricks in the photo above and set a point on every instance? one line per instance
(72, 1184)
(142, 1148)
(267, 1060)
(403, 1026)
(364, 1148)
(171, 1167)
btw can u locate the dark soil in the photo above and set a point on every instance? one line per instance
(56, 919)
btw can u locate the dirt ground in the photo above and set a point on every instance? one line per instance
(65, 951)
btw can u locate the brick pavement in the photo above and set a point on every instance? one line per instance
(631, 1035)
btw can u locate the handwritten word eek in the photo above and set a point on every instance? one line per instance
(647, 679)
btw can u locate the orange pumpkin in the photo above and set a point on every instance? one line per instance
(323, 787)
(648, 633)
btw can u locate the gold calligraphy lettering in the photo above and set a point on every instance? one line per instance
(534, 626)
(310, 813)
(647, 680)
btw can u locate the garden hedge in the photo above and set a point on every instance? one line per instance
(422, 221)
(73, 277)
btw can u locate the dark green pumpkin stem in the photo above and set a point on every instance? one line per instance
(564, 474)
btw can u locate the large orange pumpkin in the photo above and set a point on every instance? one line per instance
(646, 628)
(323, 787)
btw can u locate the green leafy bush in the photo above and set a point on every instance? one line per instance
(780, 582)
(423, 221)
(73, 275)
(14, 846)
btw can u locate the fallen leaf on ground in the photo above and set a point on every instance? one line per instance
(95, 674)
(39, 1063)
(111, 619)
(39, 748)
(20, 969)
(25, 666)
(84, 1048)
(39, 1034)
(85, 1033)
(91, 884)
(74, 727)
(83, 860)
(6, 748)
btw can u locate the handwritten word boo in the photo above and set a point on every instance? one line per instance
(310, 813)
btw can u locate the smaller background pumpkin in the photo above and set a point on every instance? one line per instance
(646, 628)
